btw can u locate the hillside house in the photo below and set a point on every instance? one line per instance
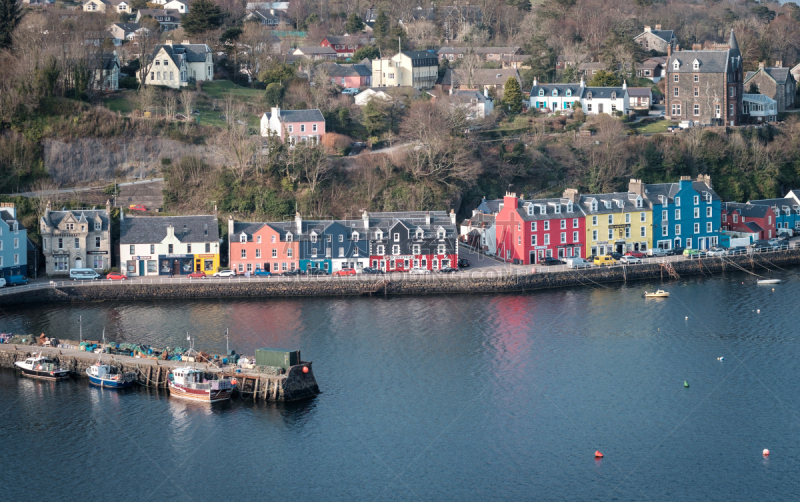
(294, 126)
(774, 82)
(656, 39)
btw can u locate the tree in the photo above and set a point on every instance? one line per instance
(381, 27)
(368, 51)
(604, 79)
(204, 16)
(170, 102)
(146, 97)
(373, 117)
(187, 100)
(274, 94)
(763, 13)
(232, 34)
(10, 16)
(277, 72)
(512, 96)
(138, 5)
(354, 23)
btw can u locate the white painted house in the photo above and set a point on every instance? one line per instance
(593, 100)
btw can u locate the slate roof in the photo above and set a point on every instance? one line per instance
(419, 54)
(755, 227)
(128, 27)
(155, 13)
(596, 65)
(711, 61)
(627, 199)
(550, 205)
(603, 92)
(55, 217)
(491, 205)
(469, 95)
(640, 91)
(575, 89)
(654, 191)
(665, 35)
(299, 116)
(152, 229)
(480, 77)
(779, 204)
(779, 75)
(6, 216)
(191, 53)
(746, 210)
(346, 70)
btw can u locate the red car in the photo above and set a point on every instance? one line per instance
(345, 271)
(116, 276)
(137, 207)
(197, 275)
(635, 254)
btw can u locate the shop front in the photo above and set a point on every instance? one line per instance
(176, 264)
(208, 263)
(141, 266)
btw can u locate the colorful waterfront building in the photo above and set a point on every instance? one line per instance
(787, 210)
(400, 241)
(271, 247)
(618, 222)
(13, 242)
(164, 245)
(755, 219)
(685, 214)
(528, 231)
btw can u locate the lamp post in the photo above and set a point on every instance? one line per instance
(80, 327)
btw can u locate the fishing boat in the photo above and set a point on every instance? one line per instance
(656, 294)
(106, 375)
(191, 383)
(41, 367)
(768, 281)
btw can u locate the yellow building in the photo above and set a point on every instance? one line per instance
(417, 69)
(616, 222)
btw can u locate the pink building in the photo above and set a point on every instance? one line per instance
(271, 247)
(294, 125)
(348, 75)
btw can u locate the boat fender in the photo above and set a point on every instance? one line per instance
(305, 369)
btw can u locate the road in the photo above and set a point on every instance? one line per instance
(79, 189)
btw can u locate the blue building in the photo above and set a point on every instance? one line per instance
(787, 210)
(13, 242)
(685, 214)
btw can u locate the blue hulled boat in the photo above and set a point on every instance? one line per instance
(106, 375)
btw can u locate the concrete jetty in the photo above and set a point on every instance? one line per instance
(293, 385)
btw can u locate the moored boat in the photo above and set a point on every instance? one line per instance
(191, 383)
(105, 375)
(41, 367)
(768, 281)
(656, 294)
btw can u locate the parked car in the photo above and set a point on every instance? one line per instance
(17, 280)
(578, 263)
(448, 270)
(350, 91)
(419, 271)
(635, 254)
(676, 251)
(551, 261)
(225, 273)
(781, 245)
(656, 252)
(738, 250)
(316, 271)
(760, 243)
(788, 232)
(717, 251)
(290, 273)
(690, 252)
(262, 273)
(345, 271)
(115, 276)
(197, 275)
(137, 207)
(371, 271)
(630, 260)
(614, 255)
(605, 260)
(463, 262)
(2, 282)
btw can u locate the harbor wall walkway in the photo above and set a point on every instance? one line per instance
(520, 279)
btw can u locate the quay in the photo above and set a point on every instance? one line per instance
(294, 385)
(520, 279)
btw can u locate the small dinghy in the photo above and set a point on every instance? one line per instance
(769, 281)
(656, 294)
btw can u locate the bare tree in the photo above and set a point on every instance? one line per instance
(146, 97)
(170, 102)
(236, 141)
(46, 191)
(187, 100)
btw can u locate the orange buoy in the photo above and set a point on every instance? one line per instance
(305, 369)
(597, 454)
(766, 452)
(233, 381)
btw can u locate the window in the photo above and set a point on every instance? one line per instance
(533, 226)
(243, 238)
(563, 224)
(594, 221)
(170, 249)
(642, 216)
(627, 217)
(208, 247)
(274, 253)
(675, 91)
(574, 222)
(696, 92)
(395, 249)
(676, 109)
(533, 240)
(677, 230)
(97, 242)
(642, 231)
(697, 228)
(664, 231)
(677, 201)
(588, 107)
(70, 226)
(610, 233)
(519, 239)
(415, 249)
(97, 226)
(627, 232)
(132, 249)
(291, 128)
(60, 243)
(77, 243)
(563, 237)
(697, 78)
(677, 214)
(44, 244)
(574, 236)
(440, 249)
(546, 239)
(696, 200)
(689, 242)
(594, 235)
(313, 252)
(696, 110)
(258, 253)
(313, 237)
(735, 218)
(244, 253)
(341, 252)
(731, 91)
(709, 227)
(302, 128)
(341, 238)
(288, 237)
(547, 224)
(396, 237)
(675, 78)
(188, 248)
(610, 219)
(314, 126)
(697, 212)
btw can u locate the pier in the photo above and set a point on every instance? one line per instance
(293, 385)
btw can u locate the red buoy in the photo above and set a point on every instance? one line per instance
(766, 452)
(305, 369)
(597, 454)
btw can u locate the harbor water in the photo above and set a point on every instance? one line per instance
(472, 397)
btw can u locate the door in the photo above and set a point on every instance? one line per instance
(176, 267)
(141, 268)
(78, 263)
(600, 108)
(532, 257)
(266, 268)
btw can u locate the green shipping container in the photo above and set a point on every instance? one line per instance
(280, 358)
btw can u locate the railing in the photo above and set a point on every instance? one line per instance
(496, 271)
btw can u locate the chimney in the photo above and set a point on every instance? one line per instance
(365, 219)
(169, 42)
(583, 81)
(761, 65)
(298, 223)
(452, 217)
(510, 201)
(778, 64)
(704, 178)
(170, 232)
(10, 208)
(669, 51)
(276, 112)
(624, 84)
(47, 210)
(427, 218)
(573, 195)
(535, 81)
(186, 42)
(486, 92)
(636, 186)
(647, 29)
(677, 47)
(658, 27)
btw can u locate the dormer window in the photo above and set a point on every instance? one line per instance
(379, 235)
(355, 236)
(313, 237)
(419, 233)
(569, 92)
(607, 204)
(589, 95)
(594, 205)
(441, 233)
(542, 210)
(243, 238)
(614, 95)
(530, 210)
(676, 65)
(696, 65)
(639, 202)
(558, 208)
(541, 92)
(569, 206)
(555, 92)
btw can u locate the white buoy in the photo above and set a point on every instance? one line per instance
(720, 358)
(686, 318)
(765, 452)
(758, 311)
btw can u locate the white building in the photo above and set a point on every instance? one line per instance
(593, 100)
(475, 105)
(294, 126)
(363, 97)
(761, 108)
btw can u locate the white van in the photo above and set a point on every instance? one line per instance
(83, 274)
(578, 263)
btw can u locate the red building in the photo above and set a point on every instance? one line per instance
(528, 231)
(345, 46)
(749, 218)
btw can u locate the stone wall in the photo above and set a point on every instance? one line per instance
(464, 282)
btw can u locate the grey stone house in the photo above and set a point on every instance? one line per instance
(706, 86)
(776, 82)
(656, 40)
(76, 238)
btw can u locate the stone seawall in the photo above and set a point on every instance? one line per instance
(464, 282)
(292, 386)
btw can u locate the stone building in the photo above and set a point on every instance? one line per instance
(76, 238)
(656, 40)
(705, 86)
(776, 82)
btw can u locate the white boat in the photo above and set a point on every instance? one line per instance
(656, 294)
(191, 383)
(41, 367)
(769, 281)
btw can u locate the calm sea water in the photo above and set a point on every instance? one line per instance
(450, 397)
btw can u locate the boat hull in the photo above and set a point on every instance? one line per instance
(45, 375)
(769, 281)
(111, 384)
(206, 396)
